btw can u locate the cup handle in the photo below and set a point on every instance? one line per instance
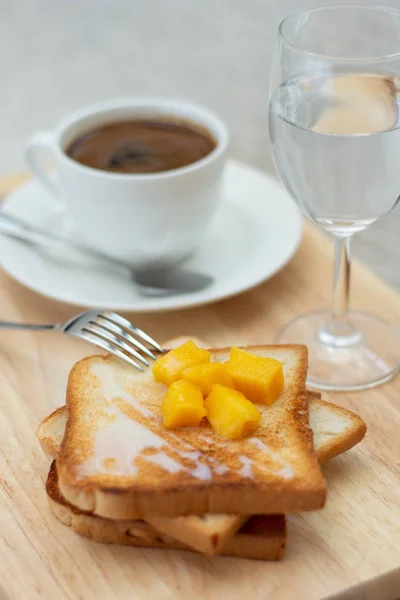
(39, 148)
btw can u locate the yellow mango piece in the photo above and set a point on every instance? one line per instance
(259, 378)
(230, 414)
(169, 367)
(207, 375)
(183, 405)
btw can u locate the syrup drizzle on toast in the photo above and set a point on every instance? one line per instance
(121, 440)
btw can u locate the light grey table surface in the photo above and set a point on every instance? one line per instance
(57, 55)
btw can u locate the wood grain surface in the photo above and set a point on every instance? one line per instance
(349, 550)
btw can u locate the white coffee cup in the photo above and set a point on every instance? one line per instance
(153, 219)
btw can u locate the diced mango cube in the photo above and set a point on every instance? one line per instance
(259, 378)
(169, 367)
(183, 405)
(207, 375)
(230, 414)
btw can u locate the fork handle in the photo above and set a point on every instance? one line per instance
(27, 326)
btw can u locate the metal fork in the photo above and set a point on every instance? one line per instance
(106, 330)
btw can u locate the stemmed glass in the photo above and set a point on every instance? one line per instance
(335, 134)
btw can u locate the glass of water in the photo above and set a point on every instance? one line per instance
(334, 118)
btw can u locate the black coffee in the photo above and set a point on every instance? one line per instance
(142, 146)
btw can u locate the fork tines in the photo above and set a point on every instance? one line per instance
(118, 336)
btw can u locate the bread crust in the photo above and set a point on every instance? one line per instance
(209, 532)
(326, 449)
(261, 538)
(153, 493)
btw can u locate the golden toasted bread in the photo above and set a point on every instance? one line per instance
(118, 461)
(261, 538)
(335, 430)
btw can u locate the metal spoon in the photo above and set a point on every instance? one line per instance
(153, 282)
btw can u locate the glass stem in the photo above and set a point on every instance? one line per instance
(339, 332)
(341, 283)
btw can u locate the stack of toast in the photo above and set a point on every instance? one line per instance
(119, 476)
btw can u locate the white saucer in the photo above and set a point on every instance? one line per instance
(254, 233)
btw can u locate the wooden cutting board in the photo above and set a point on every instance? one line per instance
(350, 550)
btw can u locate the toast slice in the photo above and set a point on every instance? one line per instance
(261, 538)
(118, 461)
(335, 430)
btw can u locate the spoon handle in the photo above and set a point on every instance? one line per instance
(152, 283)
(16, 228)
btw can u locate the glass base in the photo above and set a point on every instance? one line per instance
(363, 356)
